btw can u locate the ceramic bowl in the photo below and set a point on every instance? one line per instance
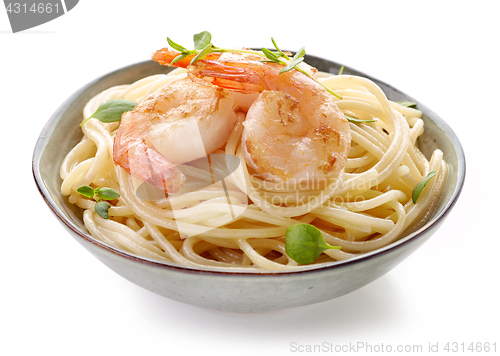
(241, 291)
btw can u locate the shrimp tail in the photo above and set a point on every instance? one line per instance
(229, 75)
(165, 56)
(149, 166)
(146, 164)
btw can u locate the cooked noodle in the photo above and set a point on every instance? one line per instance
(368, 209)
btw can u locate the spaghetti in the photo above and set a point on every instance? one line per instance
(370, 207)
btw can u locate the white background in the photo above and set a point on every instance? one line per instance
(57, 299)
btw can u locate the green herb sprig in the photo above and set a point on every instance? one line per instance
(304, 243)
(203, 46)
(292, 63)
(99, 194)
(420, 186)
(112, 110)
(358, 121)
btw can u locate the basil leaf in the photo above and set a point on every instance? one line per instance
(86, 191)
(357, 121)
(101, 208)
(106, 193)
(407, 103)
(291, 65)
(112, 110)
(420, 186)
(176, 46)
(202, 40)
(304, 243)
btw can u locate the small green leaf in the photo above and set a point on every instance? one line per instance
(204, 52)
(420, 186)
(178, 58)
(86, 191)
(202, 40)
(408, 104)
(304, 243)
(112, 110)
(271, 55)
(106, 193)
(357, 121)
(101, 208)
(292, 65)
(300, 53)
(176, 46)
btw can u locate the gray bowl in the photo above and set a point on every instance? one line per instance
(240, 291)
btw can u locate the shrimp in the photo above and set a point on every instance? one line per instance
(165, 56)
(180, 122)
(294, 129)
(281, 142)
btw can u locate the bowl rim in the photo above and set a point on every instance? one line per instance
(42, 143)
